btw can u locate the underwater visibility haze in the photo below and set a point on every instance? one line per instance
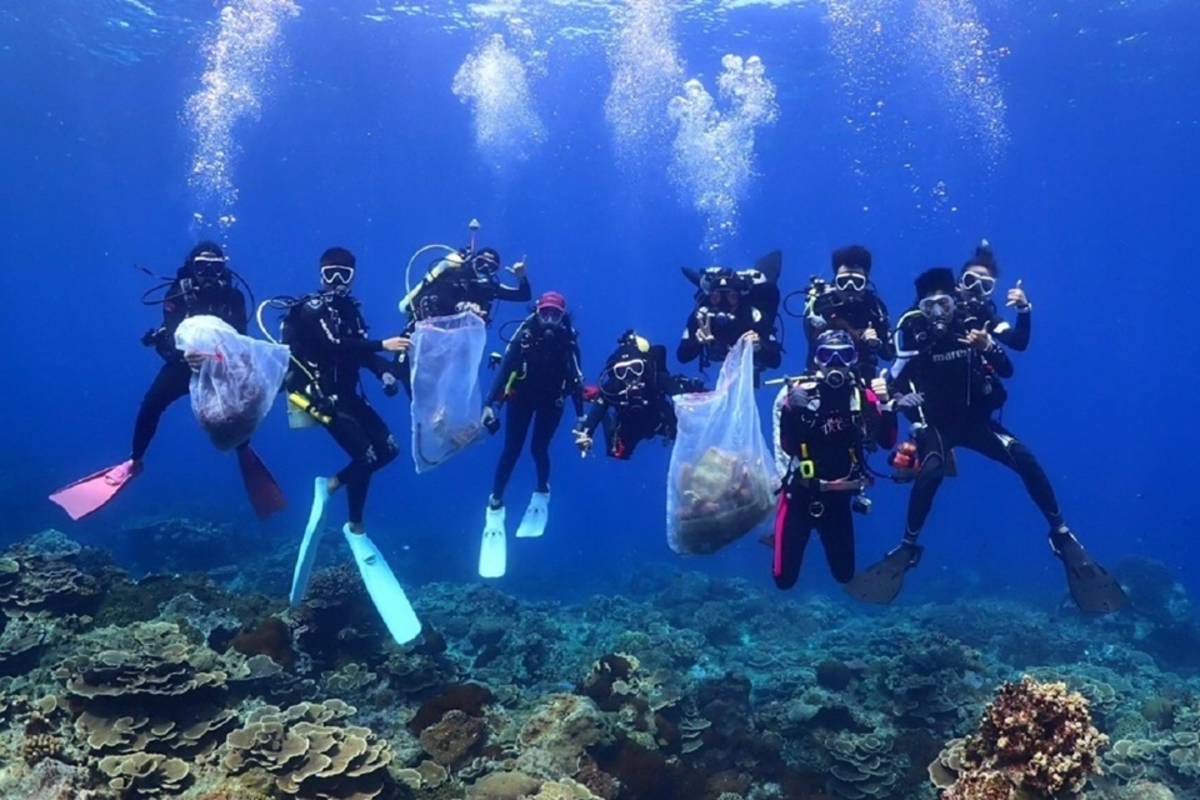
(627, 171)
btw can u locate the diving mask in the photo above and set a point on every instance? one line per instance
(836, 355)
(337, 276)
(976, 283)
(937, 307)
(551, 316)
(850, 282)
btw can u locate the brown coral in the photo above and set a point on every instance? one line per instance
(32, 581)
(145, 688)
(306, 756)
(1035, 738)
(450, 741)
(145, 775)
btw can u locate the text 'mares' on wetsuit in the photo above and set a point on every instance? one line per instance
(958, 371)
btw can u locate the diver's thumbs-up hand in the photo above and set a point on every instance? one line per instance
(1017, 297)
(870, 336)
(880, 387)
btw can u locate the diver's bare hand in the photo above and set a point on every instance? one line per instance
(1017, 298)
(880, 386)
(754, 339)
(519, 269)
(397, 344)
(870, 337)
(704, 328)
(978, 339)
(195, 360)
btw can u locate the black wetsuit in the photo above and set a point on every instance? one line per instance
(186, 297)
(456, 290)
(328, 336)
(982, 314)
(825, 431)
(853, 312)
(539, 371)
(962, 390)
(638, 407)
(756, 311)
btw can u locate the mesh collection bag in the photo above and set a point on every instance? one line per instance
(721, 481)
(236, 385)
(446, 399)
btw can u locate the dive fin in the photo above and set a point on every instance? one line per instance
(771, 265)
(264, 493)
(1092, 588)
(882, 582)
(88, 495)
(389, 599)
(310, 543)
(533, 524)
(693, 276)
(493, 550)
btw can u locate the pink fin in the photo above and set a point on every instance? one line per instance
(781, 512)
(90, 494)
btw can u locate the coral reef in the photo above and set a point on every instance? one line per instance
(679, 686)
(1035, 739)
(305, 751)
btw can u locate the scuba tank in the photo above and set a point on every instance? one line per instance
(303, 411)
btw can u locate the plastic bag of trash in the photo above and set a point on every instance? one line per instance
(447, 403)
(235, 386)
(721, 481)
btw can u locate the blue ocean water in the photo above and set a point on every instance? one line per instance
(1064, 132)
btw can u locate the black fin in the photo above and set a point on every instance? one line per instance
(771, 265)
(1092, 588)
(882, 582)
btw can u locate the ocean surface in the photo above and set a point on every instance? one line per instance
(608, 144)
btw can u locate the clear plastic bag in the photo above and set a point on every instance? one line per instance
(236, 385)
(722, 480)
(447, 404)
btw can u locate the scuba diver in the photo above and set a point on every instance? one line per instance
(976, 283)
(729, 304)
(957, 372)
(539, 371)
(466, 280)
(825, 418)
(633, 399)
(204, 285)
(328, 338)
(850, 304)
(463, 279)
